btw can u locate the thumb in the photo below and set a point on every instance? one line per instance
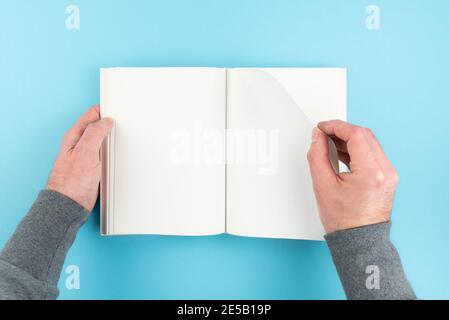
(94, 134)
(318, 156)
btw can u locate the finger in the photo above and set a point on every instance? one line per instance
(318, 157)
(74, 134)
(358, 143)
(340, 144)
(94, 135)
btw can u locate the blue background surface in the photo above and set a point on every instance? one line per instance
(398, 84)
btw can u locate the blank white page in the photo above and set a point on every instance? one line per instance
(155, 110)
(273, 196)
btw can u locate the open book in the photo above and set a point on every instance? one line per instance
(202, 151)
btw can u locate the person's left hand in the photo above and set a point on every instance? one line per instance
(76, 172)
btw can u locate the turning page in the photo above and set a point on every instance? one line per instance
(152, 182)
(270, 116)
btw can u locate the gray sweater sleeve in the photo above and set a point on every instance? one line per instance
(31, 261)
(368, 264)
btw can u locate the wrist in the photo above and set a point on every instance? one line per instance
(364, 235)
(342, 225)
(66, 192)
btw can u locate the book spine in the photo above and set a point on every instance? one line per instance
(226, 152)
(105, 157)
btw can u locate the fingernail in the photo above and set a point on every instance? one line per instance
(108, 120)
(315, 133)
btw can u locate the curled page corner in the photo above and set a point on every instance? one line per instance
(333, 156)
(273, 87)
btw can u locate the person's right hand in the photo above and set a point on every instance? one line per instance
(357, 198)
